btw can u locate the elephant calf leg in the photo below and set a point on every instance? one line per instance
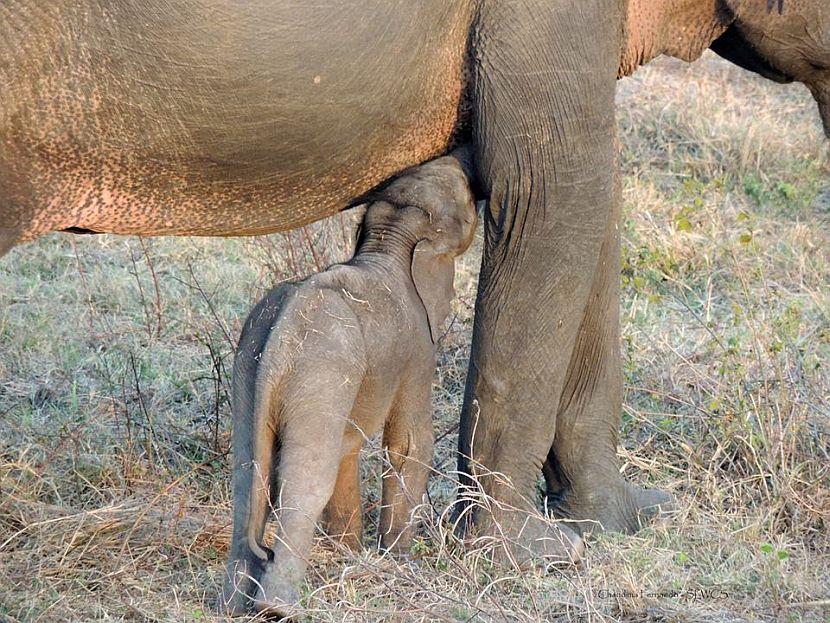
(311, 447)
(343, 520)
(408, 440)
(306, 488)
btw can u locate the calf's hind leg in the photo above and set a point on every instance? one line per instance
(311, 446)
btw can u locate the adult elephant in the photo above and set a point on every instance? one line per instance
(217, 117)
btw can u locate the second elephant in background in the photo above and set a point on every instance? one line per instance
(326, 362)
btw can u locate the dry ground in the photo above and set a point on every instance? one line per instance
(114, 413)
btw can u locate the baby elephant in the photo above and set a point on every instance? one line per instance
(324, 363)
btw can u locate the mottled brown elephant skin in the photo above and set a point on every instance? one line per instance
(213, 117)
(206, 118)
(218, 117)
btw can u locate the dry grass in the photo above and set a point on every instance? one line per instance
(114, 398)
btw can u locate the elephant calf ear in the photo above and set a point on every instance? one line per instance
(432, 274)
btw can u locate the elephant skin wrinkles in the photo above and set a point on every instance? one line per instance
(323, 364)
(218, 117)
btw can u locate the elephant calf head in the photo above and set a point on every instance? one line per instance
(429, 212)
(325, 362)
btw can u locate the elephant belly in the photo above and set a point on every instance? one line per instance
(134, 196)
(240, 119)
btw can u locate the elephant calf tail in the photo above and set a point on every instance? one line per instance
(265, 389)
(264, 443)
(254, 424)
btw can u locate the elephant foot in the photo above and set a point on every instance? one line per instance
(543, 545)
(278, 595)
(526, 540)
(620, 508)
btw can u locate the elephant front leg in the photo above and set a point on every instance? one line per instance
(509, 421)
(408, 441)
(545, 142)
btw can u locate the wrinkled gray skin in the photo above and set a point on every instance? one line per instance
(218, 118)
(325, 363)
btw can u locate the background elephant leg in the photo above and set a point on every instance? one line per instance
(408, 440)
(582, 470)
(343, 517)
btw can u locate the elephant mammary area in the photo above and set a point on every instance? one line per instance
(149, 119)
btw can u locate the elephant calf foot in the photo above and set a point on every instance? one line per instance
(240, 583)
(624, 508)
(278, 595)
